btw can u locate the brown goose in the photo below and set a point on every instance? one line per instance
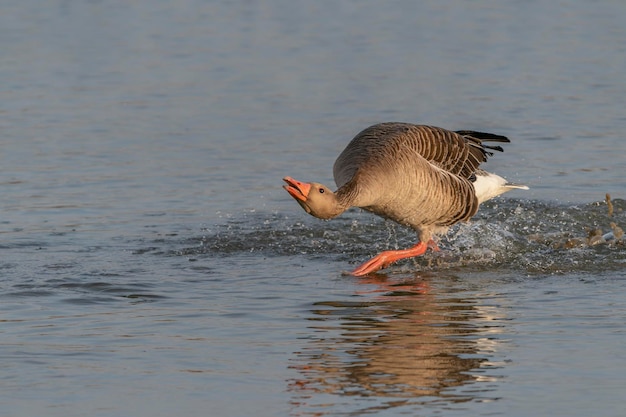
(420, 176)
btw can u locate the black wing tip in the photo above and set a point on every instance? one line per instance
(484, 136)
(494, 148)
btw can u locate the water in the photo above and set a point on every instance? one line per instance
(152, 265)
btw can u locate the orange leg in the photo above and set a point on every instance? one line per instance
(384, 259)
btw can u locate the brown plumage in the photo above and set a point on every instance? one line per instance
(420, 176)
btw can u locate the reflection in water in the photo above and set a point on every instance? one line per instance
(401, 344)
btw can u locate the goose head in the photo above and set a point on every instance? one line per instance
(315, 198)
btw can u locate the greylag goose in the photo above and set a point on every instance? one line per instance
(423, 177)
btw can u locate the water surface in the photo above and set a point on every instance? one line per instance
(153, 266)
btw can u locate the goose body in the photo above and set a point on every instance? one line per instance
(423, 177)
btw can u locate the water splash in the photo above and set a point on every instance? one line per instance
(532, 237)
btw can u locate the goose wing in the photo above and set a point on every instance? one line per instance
(459, 153)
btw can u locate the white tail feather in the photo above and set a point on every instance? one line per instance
(488, 186)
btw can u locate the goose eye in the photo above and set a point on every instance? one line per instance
(321, 191)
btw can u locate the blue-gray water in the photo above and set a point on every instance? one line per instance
(153, 266)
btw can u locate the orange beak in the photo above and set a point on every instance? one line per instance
(298, 190)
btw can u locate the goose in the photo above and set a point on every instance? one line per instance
(424, 177)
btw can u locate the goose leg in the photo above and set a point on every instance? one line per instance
(384, 259)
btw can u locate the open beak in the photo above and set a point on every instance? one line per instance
(298, 190)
